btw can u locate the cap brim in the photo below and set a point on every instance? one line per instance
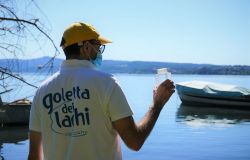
(104, 40)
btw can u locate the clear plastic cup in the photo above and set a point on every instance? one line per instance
(162, 75)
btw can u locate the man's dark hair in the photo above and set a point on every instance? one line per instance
(72, 51)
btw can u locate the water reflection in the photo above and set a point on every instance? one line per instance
(200, 116)
(12, 134)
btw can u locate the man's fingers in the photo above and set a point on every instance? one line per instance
(169, 84)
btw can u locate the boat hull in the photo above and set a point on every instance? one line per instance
(14, 114)
(213, 101)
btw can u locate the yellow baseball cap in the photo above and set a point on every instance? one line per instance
(79, 32)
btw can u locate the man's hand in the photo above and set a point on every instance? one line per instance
(162, 93)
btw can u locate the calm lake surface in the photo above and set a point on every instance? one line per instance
(181, 132)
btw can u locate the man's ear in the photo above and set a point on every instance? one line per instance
(86, 50)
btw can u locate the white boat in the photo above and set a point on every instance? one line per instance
(213, 94)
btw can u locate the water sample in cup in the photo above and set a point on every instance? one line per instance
(162, 75)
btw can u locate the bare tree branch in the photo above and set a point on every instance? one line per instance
(6, 91)
(14, 29)
(31, 23)
(17, 77)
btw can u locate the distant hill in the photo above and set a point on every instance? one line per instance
(135, 67)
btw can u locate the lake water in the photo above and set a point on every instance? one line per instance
(181, 132)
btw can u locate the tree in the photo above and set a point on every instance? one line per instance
(16, 26)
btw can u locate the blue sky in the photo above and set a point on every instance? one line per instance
(193, 31)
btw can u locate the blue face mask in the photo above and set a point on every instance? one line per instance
(98, 61)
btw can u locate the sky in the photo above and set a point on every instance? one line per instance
(182, 31)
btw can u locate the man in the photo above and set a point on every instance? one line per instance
(79, 112)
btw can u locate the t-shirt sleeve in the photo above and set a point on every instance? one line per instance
(34, 121)
(118, 105)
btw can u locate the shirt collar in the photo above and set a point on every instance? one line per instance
(75, 63)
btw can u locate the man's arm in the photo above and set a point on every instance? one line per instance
(35, 150)
(134, 135)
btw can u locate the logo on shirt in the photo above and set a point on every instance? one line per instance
(67, 118)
